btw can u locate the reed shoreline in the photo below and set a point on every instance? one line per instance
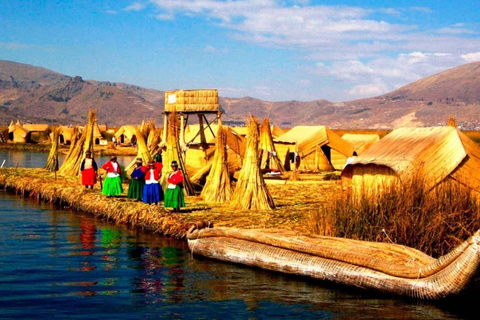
(295, 201)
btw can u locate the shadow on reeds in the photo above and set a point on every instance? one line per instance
(433, 221)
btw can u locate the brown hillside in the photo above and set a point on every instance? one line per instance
(33, 94)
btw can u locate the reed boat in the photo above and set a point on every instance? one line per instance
(385, 267)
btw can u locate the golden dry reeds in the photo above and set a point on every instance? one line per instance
(267, 148)
(52, 161)
(172, 152)
(191, 100)
(433, 221)
(251, 192)
(73, 161)
(218, 187)
(451, 122)
(143, 152)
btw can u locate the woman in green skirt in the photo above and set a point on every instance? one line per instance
(137, 181)
(113, 181)
(174, 193)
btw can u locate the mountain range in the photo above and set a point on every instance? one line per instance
(36, 95)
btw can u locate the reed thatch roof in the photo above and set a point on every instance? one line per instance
(36, 127)
(192, 100)
(361, 142)
(318, 147)
(128, 131)
(437, 153)
(307, 138)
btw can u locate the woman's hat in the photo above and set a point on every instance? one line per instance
(113, 158)
(174, 163)
(139, 160)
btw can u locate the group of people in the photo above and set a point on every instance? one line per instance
(144, 183)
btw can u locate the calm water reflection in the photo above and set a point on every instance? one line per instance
(15, 158)
(56, 264)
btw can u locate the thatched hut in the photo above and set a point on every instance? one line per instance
(126, 134)
(17, 133)
(361, 142)
(436, 154)
(313, 145)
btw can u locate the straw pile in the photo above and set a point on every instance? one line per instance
(218, 187)
(171, 153)
(268, 152)
(73, 161)
(191, 100)
(451, 122)
(251, 192)
(143, 153)
(52, 161)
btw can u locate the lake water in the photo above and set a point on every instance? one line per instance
(58, 264)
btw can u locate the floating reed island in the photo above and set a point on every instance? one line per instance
(410, 237)
(297, 203)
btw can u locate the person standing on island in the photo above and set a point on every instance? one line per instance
(113, 180)
(137, 181)
(152, 192)
(89, 170)
(174, 193)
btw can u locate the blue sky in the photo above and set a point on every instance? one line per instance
(267, 49)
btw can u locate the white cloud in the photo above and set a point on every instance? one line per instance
(450, 30)
(165, 16)
(209, 49)
(471, 57)
(367, 90)
(367, 51)
(136, 6)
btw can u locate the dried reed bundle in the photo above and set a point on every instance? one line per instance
(191, 100)
(201, 174)
(143, 153)
(52, 161)
(251, 191)
(451, 122)
(218, 186)
(71, 165)
(267, 148)
(170, 153)
(75, 137)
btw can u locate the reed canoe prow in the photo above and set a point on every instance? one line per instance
(386, 267)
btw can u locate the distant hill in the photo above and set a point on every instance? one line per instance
(34, 94)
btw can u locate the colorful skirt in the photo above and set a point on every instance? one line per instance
(112, 186)
(174, 198)
(152, 193)
(135, 189)
(88, 177)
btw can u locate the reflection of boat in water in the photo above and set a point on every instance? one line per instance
(385, 267)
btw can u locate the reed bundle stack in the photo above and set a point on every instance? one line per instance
(143, 152)
(267, 148)
(191, 100)
(73, 161)
(451, 122)
(52, 161)
(218, 186)
(251, 192)
(172, 153)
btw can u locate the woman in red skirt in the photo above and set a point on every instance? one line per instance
(89, 170)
